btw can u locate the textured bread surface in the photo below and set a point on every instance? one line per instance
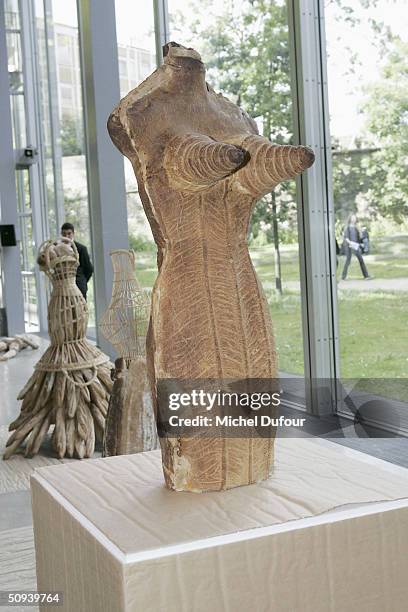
(201, 166)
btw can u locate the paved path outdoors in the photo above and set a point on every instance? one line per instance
(376, 284)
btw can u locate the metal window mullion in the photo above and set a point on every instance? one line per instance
(161, 27)
(33, 135)
(55, 127)
(105, 168)
(315, 206)
(13, 299)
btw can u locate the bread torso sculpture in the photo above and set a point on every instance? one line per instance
(201, 167)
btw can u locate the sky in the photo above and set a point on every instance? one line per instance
(135, 25)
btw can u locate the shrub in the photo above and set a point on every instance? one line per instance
(141, 243)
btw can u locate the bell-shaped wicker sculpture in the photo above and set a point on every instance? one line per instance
(71, 383)
(130, 424)
(126, 320)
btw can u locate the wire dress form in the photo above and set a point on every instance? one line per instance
(126, 320)
(71, 384)
(130, 424)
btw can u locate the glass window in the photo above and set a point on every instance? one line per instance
(62, 127)
(65, 74)
(15, 68)
(137, 59)
(245, 46)
(12, 15)
(46, 98)
(124, 84)
(66, 96)
(368, 92)
(122, 68)
(18, 119)
(73, 160)
(64, 49)
(23, 188)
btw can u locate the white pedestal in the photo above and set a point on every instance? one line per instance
(328, 531)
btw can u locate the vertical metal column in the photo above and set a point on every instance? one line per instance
(315, 205)
(105, 169)
(161, 27)
(33, 135)
(55, 128)
(10, 256)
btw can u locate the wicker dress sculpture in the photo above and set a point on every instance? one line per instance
(71, 383)
(130, 425)
(201, 166)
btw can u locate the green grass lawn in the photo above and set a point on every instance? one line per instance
(146, 268)
(287, 325)
(373, 325)
(373, 334)
(264, 257)
(373, 337)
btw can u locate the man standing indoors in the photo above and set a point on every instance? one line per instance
(85, 268)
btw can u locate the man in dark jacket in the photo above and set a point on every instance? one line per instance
(85, 268)
(352, 246)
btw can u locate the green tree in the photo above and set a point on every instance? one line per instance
(77, 213)
(351, 180)
(387, 123)
(246, 50)
(72, 136)
(247, 56)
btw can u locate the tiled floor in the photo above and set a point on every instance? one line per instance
(13, 376)
(16, 506)
(15, 510)
(15, 501)
(17, 558)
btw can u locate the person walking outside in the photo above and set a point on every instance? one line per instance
(352, 246)
(85, 268)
